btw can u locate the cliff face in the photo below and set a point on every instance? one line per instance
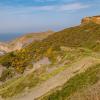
(94, 19)
(20, 42)
(4, 47)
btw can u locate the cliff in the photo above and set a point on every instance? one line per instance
(94, 19)
(20, 42)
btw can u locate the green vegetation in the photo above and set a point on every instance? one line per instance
(85, 36)
(6, 74)
(68, 44)
(80, 40)
(18, 85)
(76, 83)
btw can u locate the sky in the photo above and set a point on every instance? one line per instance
(23, 16)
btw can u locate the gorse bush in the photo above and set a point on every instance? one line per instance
(6, 74)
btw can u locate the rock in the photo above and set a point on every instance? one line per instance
(94, 19)
(43, 61)
(1, 98)
(1, 69)
(1, 53)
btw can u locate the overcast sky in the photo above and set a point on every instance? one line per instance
(22, 16)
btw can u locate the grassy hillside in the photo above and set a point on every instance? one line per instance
(75, 84)
(69, 45)
(19, 84)
(85, 36)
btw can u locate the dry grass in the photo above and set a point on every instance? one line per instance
(91, 93)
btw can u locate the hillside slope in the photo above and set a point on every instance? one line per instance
(41, 61)
(76, 85)
(59, 79)
(20, 42)
(84, 36)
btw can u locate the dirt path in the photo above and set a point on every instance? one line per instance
(59, 79)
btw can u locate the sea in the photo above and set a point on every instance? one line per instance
(8, 37)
